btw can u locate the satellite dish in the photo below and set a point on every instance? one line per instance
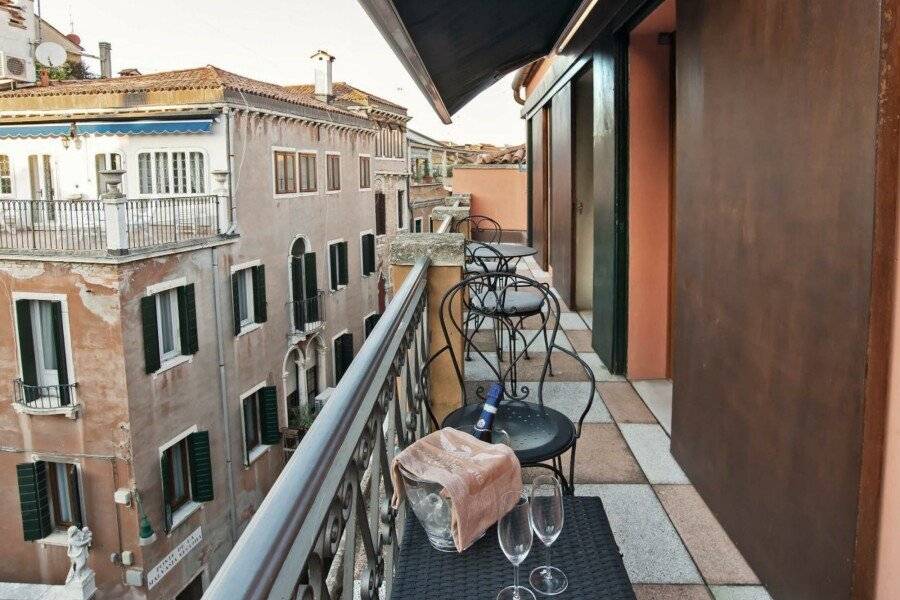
(50, 54)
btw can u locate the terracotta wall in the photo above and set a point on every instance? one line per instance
(498, 191)
(649, 196)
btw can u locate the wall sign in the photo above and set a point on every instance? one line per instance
(173, 558)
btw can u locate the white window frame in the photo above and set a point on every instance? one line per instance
(316, 191)
(11, 177)
(340, 174)
(175, 352)
(359, 171)
(334, 355)
(250, 323)
(362, 257)
(252, 454)
(275, 192)
(154, 290)
(328, 246)
(191, 506)
(170, 151)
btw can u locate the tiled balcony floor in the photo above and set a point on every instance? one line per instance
(673, 546)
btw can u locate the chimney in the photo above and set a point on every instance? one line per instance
(322, 62)
(105, 60)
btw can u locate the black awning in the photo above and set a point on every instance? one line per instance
(455, 49)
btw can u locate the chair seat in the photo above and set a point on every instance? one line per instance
(513, 303)
(488, 267)
(536, 433)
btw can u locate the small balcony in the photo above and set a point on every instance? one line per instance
(307, 314)
(44, 399)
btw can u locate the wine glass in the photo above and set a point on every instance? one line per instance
(514, 532)
(547, 518)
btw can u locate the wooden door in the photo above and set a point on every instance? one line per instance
(539, 130)
(561, 196)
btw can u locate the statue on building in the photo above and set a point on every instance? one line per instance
(78, 542)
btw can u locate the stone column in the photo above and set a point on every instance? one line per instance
(447, 257)
(115, 211)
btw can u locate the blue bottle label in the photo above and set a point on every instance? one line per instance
(485, 421)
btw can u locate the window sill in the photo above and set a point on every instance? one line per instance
(70, 411)
(340, 289)
(173, 362)
(366, 189)
(249, 328)
(183, 514)
(332, 191)
(254, 454)
(57, 538)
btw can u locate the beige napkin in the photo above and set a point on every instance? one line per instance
(475, 476)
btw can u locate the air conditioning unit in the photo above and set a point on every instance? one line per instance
(16, 68)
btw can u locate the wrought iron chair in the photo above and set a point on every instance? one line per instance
(479, 228)
(539, 435)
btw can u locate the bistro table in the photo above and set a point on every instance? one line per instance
(509, 251)
(585, 550)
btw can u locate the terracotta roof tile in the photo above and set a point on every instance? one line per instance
(16, 13)
(513, 155)
(348, 93)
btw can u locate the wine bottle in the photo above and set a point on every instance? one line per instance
(485, 422)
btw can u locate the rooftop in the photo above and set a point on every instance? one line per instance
(512, 155)
(347, 94)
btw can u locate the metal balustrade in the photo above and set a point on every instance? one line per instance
(156, 221)
(330, 508)
(308, 314)
(72, 225)
(42, 397)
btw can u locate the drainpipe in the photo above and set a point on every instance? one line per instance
(232, 228)
(223, 395)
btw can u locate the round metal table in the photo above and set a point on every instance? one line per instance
(507, 250)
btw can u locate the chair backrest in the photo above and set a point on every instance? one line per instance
(480, 228)
(487, 298)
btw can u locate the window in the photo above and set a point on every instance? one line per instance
(367, 245)
(285, 173)
(334, 172)
(248, 294)
(49, 498)
(401, 210)
(370, 322)
(186, 470)
(105, 162)
(304, 287)
(5, 175)
(42, 353)
(307, 172)
(171, 172)
(337, 259)
(365, 177)
(193, 591)
(380, 212)
(260, 414)
(417, 225)
(342, 346)
(169, 319)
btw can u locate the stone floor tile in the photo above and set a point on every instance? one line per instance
(601, 373)
(650, 546)
(739, 592)
(570, 398)
(650, 446)
(588, 317)
(623, 402)
(657, 395)
(719, 560)
(535, 340)
(602, 456)
(671, 592)
(580, 340)
(565, 368)
(479, 368)
(573, 321)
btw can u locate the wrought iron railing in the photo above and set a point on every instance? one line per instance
(74, 225)
(43, 397)
(155, 221)
(308, 314)
(327, 522)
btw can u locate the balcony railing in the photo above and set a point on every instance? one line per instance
(117, 226)
(330, 507)
(42, 397)
(308, 314)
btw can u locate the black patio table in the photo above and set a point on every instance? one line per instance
(509, 251)
(585, 551)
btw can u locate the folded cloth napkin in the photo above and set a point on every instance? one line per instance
(475, 476)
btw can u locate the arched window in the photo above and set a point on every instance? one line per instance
(307, 309)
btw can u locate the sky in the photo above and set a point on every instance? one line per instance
(272, 40)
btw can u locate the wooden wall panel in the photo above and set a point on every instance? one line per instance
(561, 193)
(776, 130)
(537, 165)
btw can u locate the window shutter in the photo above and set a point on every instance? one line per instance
(165, 468)
(380, 209)
(26, 344)
(201, 467)
(370, 323)
(333, 265)
(259, 294)
(311, 286)
(151, 334)
(300, 305)
(187, 319)
(59, 337)
(268, 416)
(347, 351)
(235, 310)
(343, 277)
(34, 500)
(72, 471)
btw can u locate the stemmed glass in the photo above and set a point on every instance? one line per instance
(514, 532)
(547, 519)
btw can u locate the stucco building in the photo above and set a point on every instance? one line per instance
(186, 258)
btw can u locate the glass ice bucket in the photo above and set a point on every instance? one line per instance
(431, 509)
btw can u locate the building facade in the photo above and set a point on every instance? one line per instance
(188, 262)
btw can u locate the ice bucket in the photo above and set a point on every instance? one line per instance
(431, 509)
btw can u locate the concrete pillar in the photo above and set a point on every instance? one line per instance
(226, 211)
(115, 211)
(439, 213)
(446, 270)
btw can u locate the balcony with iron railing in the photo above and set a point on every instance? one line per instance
(44, 399)
(307, 314)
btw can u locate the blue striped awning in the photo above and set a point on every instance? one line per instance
(107, 128)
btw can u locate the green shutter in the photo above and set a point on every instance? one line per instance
(187, 319)
(34, 500)
(72, 471)
(59, 338)
(297, 292)
(235, 310)
(166, 468)
(151, 334)
(333, 258)
(201, 467)
(368, 249)
(311, 286)
(370, 323)
(259, 294)
(26, 342)
(343, 354)
(268, 416)
(343, 278)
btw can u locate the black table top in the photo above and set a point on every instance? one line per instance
(585, 551)
(507, 250)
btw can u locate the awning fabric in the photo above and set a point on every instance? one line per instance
(454, 50)
(107, 128)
